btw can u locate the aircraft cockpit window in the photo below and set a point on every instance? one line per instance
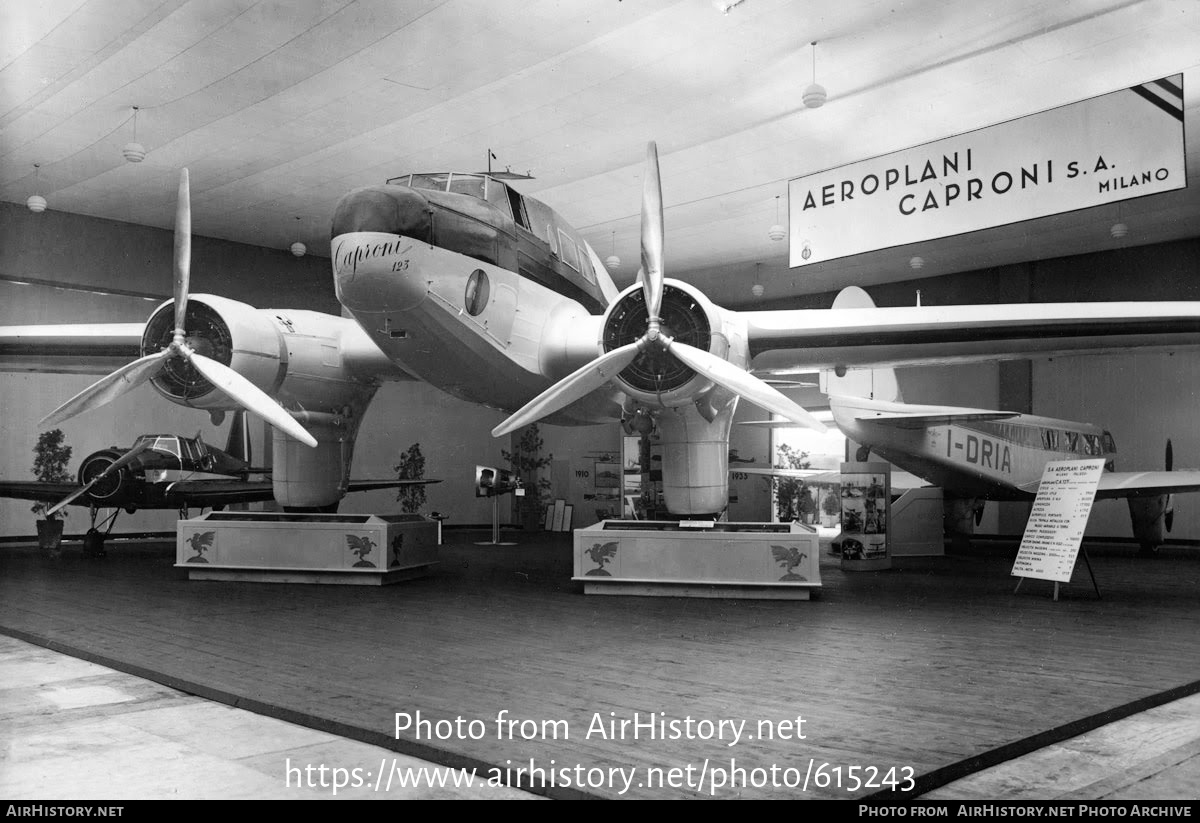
(166, 445)
(471, 184)
(435, 182)
(1091, 444)
(1072, 441)
(1110, 445)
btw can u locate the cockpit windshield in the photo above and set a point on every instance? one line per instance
(472, 184)
(164, 443)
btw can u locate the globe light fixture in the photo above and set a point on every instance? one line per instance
(299, 249)
(134, 151)
(814, 96)
(917, 263)
(612, 261)
(777, 231)
(36, 203)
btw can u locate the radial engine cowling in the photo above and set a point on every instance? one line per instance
(111, 487)
(232, 333)
(655, 376)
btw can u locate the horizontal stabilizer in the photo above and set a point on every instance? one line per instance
(911, 415)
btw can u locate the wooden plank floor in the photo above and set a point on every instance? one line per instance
(935, 665)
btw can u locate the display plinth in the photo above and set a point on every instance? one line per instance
(277, 547)
(657, 558)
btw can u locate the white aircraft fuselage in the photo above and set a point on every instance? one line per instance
(999, 459)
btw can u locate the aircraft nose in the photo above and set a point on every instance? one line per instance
(374, 234)
(387, 209)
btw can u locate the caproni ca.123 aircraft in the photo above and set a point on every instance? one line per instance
(461, 281)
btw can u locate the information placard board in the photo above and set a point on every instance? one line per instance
(1054, 532)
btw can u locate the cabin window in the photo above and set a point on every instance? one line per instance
(497, 195)
(1072, 441)
(550, 239)
(478, 292)
(1050, 439)
(569, 253)
(1091, 444)
(1110, 445)
(585, 264)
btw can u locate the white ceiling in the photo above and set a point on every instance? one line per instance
(278, 108)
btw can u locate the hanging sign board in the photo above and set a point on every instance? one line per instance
(1052, 536)
(1117, 146)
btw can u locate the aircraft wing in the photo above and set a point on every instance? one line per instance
(200, 493)
(209, 493)
(900, 480)
(98, 348)
(1147, 484)
(368, 485)
(37, 490)
(922, 335)
(920, 421)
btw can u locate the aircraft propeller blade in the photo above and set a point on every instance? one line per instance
(652, 240)
(118, 464)
(183, 250)
(1169, 513)
(741, 382)
(134, 374)
(247, 394)
(574, 386)
(109, 388)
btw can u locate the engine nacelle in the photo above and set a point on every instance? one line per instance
(232, 333)
(655, 377)
(110, 488)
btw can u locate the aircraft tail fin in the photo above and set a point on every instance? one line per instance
(875, 384)
(238, 443)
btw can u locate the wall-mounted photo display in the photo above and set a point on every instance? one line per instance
(608, 475)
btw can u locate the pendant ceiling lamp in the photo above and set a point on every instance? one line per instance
(757, 289)
(36, 203)
(298, 249)
(777, 231)
(612, 261)
(134, 151)
(814, 96)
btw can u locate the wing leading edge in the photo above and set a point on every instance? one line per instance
(915, 335)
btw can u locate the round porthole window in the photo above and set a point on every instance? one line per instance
(478, 292)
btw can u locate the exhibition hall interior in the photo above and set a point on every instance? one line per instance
(791, 387)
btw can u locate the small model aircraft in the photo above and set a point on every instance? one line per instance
(164, 471)
(977, 455)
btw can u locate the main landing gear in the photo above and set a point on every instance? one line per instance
(93, 540)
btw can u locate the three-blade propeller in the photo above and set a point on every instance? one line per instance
(604, 369)
(129, 377)
(118, 464)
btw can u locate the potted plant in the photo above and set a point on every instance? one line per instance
(50, 459)
(411, 467)
(792, 500)
(527, 462)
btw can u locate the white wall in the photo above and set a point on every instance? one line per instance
(1142, 399)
